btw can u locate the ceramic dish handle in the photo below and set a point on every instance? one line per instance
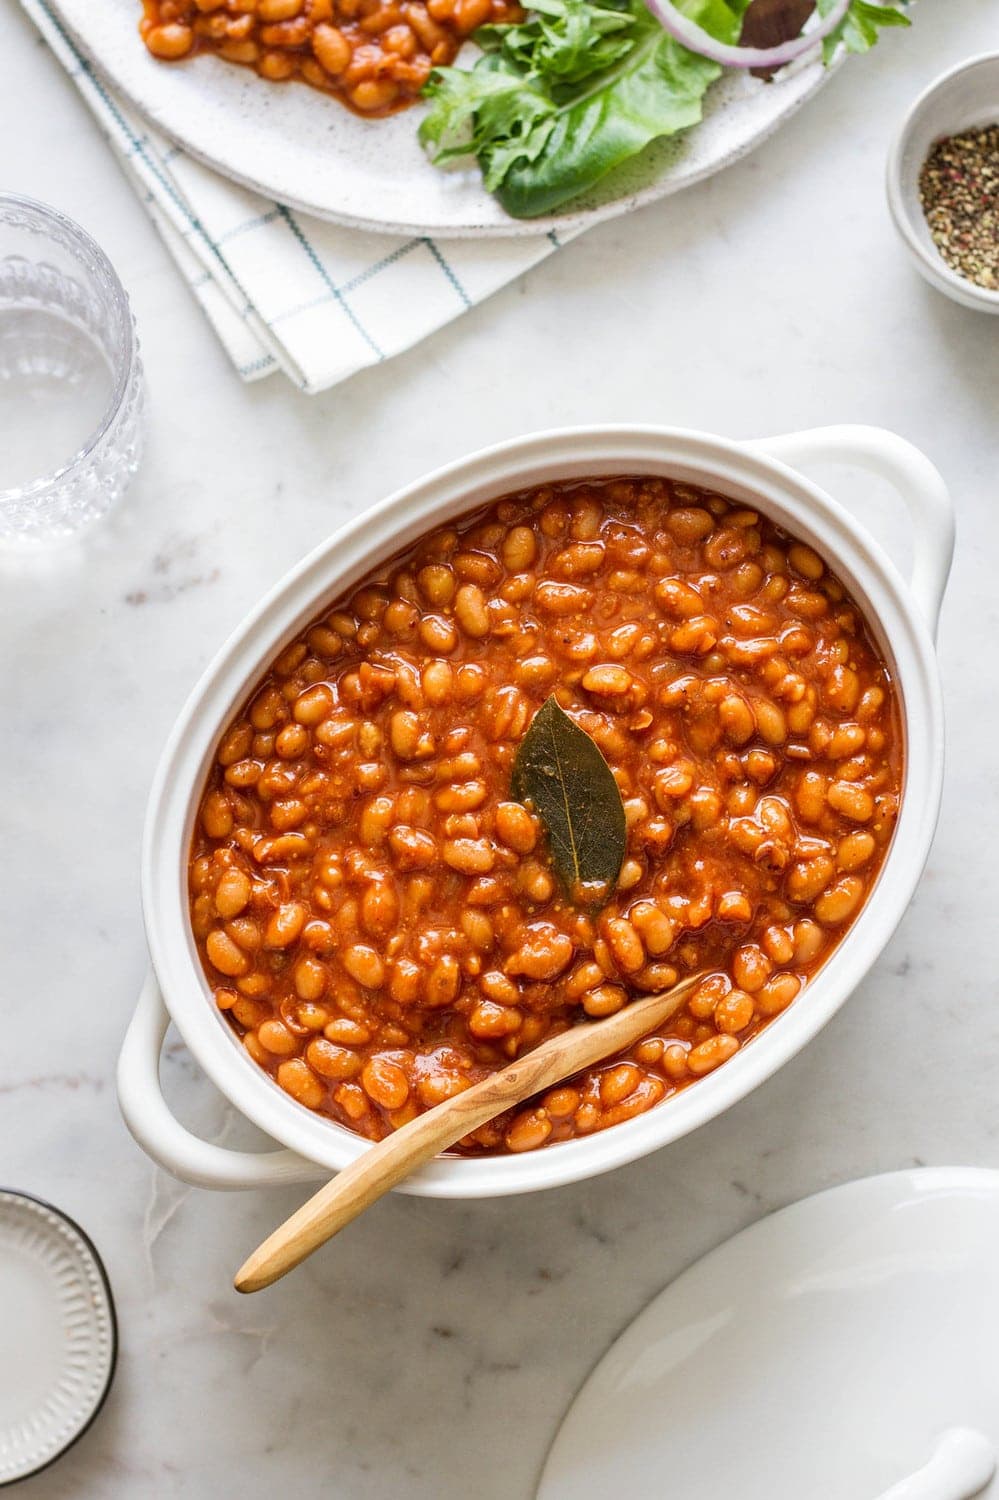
(162, 1137)
(961, 1465)
(909, 472)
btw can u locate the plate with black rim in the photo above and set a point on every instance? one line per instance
(301, 147)
(60, 1341)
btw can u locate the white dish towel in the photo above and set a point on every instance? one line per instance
(282, 290)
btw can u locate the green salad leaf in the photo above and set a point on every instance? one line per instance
(560, 99)
(859, 29)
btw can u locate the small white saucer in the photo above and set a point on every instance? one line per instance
(822, 1354)
(58, 1339)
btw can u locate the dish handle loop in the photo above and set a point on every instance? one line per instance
(907, 470)
(163, 1138)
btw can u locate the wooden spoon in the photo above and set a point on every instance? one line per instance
(383, 1166)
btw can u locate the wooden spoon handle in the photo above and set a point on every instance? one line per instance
(382, 1166)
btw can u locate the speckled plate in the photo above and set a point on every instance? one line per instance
(57, 1335)
(292, 143)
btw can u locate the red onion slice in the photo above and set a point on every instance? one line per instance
(697, 39)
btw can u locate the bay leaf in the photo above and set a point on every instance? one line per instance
(560, 773)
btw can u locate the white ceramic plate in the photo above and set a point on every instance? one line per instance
(57, 1335)
(294, 144)
(821, 1353)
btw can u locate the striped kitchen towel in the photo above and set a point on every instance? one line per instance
(282, 290)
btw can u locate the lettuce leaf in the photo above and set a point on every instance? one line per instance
(560, 99)
(859, 29)
(655, 90)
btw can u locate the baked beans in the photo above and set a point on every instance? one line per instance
(373, 55)
(378, 917)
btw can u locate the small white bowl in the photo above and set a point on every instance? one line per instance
(966, 98)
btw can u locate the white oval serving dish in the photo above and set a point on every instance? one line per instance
(903, 618)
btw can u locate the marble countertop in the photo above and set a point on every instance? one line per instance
(432, 1352)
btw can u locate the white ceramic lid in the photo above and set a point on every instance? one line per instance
(58, 1339)
(831, 1351)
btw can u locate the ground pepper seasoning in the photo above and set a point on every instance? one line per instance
(959, 189)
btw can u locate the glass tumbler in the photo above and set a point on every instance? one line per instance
(70, 378)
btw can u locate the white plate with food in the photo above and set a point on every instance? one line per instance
(347, 151)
